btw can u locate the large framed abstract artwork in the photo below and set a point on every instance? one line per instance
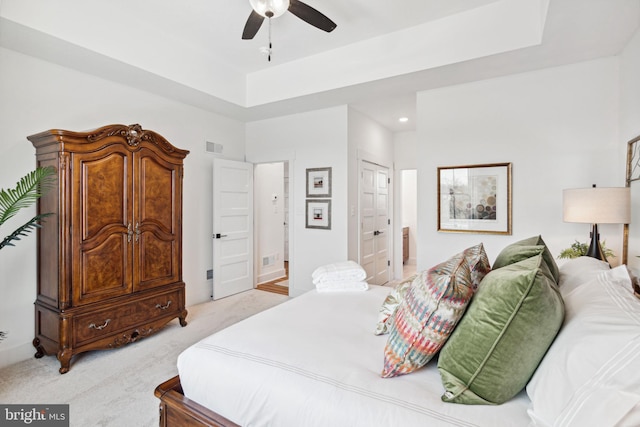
(475, 198)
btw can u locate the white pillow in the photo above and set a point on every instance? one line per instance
(590, 374)
(578, 271)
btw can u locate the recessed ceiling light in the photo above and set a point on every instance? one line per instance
(403, 119)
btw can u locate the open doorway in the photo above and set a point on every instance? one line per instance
(271, 216)
(409, 221)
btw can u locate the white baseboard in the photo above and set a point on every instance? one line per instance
(267, 277)
(19, 353)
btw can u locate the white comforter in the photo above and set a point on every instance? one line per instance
(314, 361)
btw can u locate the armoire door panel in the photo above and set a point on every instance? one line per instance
(156, 267)
(157, 198)
(105, 187)
(105, 270)
(101, 230)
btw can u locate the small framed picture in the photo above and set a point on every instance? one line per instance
(319, 182)
(475, 198)
(319, 214)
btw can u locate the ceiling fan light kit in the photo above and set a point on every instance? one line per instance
(270, 8)
(274, 8)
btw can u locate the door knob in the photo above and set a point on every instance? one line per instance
(218, 235)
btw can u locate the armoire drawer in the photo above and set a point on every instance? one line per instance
(101, 323)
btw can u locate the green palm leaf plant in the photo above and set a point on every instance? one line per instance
(27, 191)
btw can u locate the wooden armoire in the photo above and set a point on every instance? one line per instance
(110, 256)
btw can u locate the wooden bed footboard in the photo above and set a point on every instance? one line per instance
(176, 410)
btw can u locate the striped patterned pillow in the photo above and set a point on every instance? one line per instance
(429, 312)
(479, 264)
(390, 305)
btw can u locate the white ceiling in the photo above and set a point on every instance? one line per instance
(376, 59)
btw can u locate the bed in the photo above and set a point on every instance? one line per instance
(325, 367)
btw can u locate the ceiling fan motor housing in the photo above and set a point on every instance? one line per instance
(270, 8)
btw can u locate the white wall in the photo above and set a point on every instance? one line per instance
(559, 128)
(629, 129)
(307, 140)
(268, 181)
(36, 96)
(405, 150)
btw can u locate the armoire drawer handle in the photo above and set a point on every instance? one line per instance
(163, 307)
(101, 327)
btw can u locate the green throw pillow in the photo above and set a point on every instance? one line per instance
(516, 253)
(509, 325)
(519, 250)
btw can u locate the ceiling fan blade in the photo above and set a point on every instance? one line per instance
(252, 26)
(311, 16)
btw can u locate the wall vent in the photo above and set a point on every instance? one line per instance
(214, 147)
(269, 260)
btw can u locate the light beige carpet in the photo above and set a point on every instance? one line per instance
(115, 387)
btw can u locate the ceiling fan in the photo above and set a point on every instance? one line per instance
(274, 8)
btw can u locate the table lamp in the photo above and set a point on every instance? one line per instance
(595, 206)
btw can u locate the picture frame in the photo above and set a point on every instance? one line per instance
(633, 160)
(318, 214)
(633, 174)
(319, 182)
(475, 198)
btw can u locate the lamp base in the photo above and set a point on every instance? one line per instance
(595, 250)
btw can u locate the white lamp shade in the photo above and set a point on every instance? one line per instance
(277, 7)
(597, 205)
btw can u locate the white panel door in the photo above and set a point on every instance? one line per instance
(232, 227)
(381, 235)
(367, 220)
(374, 222)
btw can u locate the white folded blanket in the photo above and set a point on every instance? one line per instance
(341, 286)
(345, 271)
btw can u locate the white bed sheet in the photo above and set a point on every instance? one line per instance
(315, 361)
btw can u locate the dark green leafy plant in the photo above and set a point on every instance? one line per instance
(27, 191)
(578, 249)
